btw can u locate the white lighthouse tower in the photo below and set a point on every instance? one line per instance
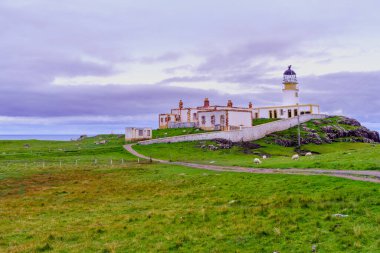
(290, 90)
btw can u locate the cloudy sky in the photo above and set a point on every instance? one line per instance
(96, 66)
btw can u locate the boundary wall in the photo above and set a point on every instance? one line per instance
(245, 134)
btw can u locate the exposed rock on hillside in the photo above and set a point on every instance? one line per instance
(332, 129)
(227, 144)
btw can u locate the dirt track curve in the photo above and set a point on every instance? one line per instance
(360, 175)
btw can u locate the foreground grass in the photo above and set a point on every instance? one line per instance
(151, 207)
(341, 155)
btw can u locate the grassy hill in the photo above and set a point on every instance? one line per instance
(149, 207)
(152, 207)
(344, 146)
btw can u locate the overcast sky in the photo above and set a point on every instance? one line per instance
(92, 66)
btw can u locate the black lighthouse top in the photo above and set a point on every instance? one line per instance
(289, 71)
(290, 76)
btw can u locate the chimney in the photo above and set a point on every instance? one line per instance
(229, 104)
(206, 103)
(250, 105)
(180, 104)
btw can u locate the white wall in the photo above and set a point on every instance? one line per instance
(289, 97)
(208, 115)
(246, 134)
(132, 133)
(239, 118)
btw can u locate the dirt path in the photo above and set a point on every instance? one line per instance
(360, 175)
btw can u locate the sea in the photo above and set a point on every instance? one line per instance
(65, 137)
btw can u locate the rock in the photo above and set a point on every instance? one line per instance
(82, 137)
(102, 142)
(349, 121)
(365, 133)
(284, 142)
(26, 146)
(312, 138)
(339, 215)
(223, 143)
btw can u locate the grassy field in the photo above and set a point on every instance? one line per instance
(340, 155)
(169, 132)
(19, 160)
(149, 207)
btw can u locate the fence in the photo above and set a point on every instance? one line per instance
(121, 162)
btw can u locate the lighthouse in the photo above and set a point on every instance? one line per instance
(290, 90)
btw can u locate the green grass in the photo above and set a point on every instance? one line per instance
(341, 155)
(169, 132)
(260, 121)
(17, 160)
(149, 207)
(338, 155)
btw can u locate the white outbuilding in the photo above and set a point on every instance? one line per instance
(137, 134)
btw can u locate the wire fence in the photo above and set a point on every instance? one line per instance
(71, 162)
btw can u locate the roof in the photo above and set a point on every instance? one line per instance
(289, 71)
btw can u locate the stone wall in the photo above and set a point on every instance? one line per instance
(246, 134)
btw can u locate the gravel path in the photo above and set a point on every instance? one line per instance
(360, 175)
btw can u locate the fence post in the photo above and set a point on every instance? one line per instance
(122, 160)
(60, 164)
(43, 164)
(76, 162)
(138, 160)
(111, 162)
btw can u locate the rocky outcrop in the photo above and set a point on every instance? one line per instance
(247, 146)
(327, 131)
(349, 121)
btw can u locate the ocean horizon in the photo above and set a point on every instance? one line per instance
(42, 137)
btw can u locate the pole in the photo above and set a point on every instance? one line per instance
(299, 127)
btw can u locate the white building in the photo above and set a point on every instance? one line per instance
(137, 134)
(291, 106)
(229, 117)
(207, 117)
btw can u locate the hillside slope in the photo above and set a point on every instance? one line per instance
(331, 129)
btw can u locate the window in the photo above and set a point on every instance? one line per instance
(296, 94)
(169, 118)
(213, 119)
(222, 121)
(194, 116)
(141, 132)
(256, 115)
(295, 112)
(289, 113)
(147, 132)
(162, 120)
(203, 120)
(270, 114)
(275, 114)
(282, 112)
